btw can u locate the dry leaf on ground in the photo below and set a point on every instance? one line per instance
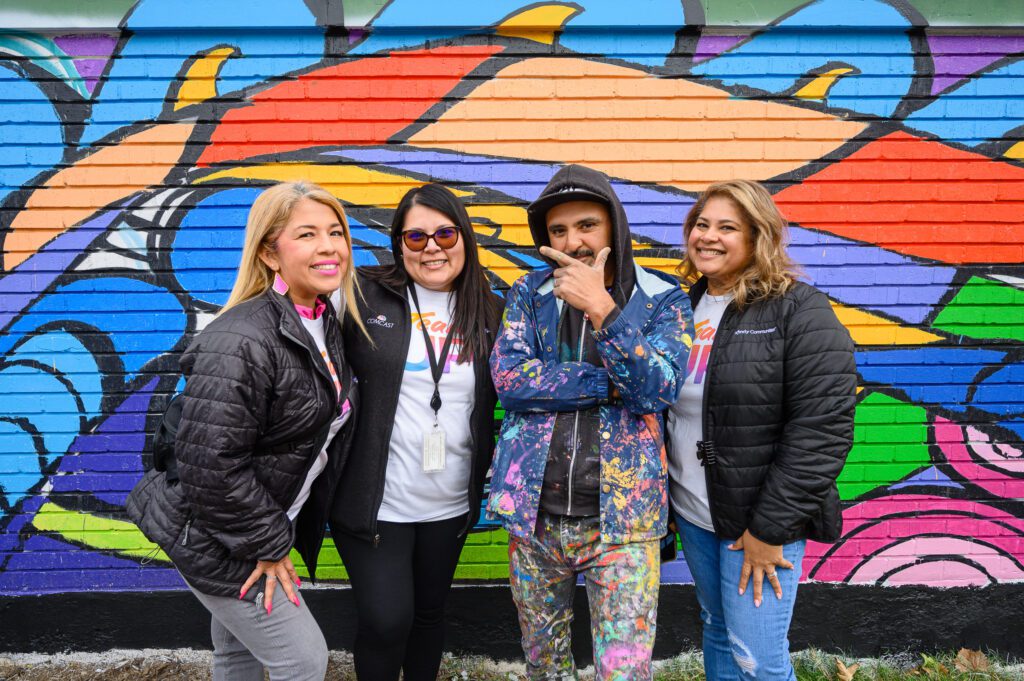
(971, 661)
(844, 673)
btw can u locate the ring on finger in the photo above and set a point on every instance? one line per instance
(769, 575)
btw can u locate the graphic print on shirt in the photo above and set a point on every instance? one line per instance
(438, 331)
(700, 351)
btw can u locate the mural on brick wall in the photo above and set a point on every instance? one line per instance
(136, 135)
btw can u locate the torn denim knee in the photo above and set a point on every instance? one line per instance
(745, 659)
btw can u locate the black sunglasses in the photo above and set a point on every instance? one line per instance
(416, 239)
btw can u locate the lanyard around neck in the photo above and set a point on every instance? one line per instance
(436, 367)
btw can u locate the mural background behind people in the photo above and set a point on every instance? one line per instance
(137, 134)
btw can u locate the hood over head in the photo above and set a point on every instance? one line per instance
(579, 183)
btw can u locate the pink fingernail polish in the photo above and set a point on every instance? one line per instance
(270, 606)
(298, 580)
(295, 600)
(242, 595)
(757, 602)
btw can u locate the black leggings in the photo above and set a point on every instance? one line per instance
(400, 588)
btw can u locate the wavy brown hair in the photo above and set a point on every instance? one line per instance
(770, 271)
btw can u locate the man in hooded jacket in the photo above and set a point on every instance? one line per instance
(589, 355)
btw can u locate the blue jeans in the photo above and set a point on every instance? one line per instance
(741, 642)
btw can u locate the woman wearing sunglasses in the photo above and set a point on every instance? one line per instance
(424, 438)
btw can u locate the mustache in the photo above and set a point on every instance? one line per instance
(581, 252)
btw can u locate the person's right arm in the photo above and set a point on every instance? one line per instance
(525, 382)
(225, 398)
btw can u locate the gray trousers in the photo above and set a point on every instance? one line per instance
(288, 642)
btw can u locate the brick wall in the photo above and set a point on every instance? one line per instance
(136, 135)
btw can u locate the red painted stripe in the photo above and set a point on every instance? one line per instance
(917, 197)
(361, 102)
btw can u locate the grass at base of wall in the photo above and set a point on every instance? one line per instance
(811, 665)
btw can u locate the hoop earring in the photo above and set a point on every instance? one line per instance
(279, 285)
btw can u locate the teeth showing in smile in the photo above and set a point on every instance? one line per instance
(433, 263)
(708, 251)
(332, 266)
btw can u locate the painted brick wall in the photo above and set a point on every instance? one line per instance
(136, 134)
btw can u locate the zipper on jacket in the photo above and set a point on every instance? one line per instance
(576, 420)
(188, 526)
(404, 296)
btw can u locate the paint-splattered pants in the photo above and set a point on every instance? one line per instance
(622, 587)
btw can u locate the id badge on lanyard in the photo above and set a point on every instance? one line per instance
(434, 451)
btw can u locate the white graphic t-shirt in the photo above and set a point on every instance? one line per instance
(315, 327)
(410, 494)
(687, 484)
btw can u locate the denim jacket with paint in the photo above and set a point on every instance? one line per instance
(644, 354)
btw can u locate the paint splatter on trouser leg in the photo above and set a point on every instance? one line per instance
(622, 587)
(542, 586)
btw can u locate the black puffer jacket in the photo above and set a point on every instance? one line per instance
(379, 370)
(778, 405)
(258, 404)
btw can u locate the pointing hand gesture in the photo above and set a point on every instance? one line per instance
(582, 285)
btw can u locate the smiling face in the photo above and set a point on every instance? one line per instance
(433, 268)
(580, 229)
(719, 244)
(311, 253)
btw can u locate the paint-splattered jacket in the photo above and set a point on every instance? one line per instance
(644, 355)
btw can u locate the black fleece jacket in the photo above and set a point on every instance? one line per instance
(778, 406)
(379, 370)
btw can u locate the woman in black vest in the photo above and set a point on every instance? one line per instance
(261, 442)
(424, 438)
(760, 431)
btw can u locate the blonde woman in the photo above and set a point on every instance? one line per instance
(760, 430)
(261, 441)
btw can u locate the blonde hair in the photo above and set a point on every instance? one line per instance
(770, 271)
(268, 216)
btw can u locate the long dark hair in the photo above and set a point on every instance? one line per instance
(477, 309)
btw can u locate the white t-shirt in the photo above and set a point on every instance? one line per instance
(687, 484)
(315, 327)
(410, 494)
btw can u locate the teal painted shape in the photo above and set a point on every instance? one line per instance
(983, 109)
(871, 38)
(31, 132)
(410, 23)
(45, 54)
(141, 76)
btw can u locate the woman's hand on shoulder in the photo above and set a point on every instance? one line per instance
(760, 560)
(276, 571)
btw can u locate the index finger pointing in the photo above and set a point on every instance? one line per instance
(549, 252)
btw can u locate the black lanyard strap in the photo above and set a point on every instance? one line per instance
(436, 368)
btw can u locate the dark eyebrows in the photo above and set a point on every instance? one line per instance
(587, 220)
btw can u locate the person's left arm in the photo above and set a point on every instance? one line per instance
(820, 381)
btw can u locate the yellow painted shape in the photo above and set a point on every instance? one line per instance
(1016, 151)
(497, 264)
(870, 329)
(515, 227)
(350, 184)
(666, 265)
(633, 125)
(539, 24)
(819, 87)
(110, 174)
(96, 532)
(201, 78)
